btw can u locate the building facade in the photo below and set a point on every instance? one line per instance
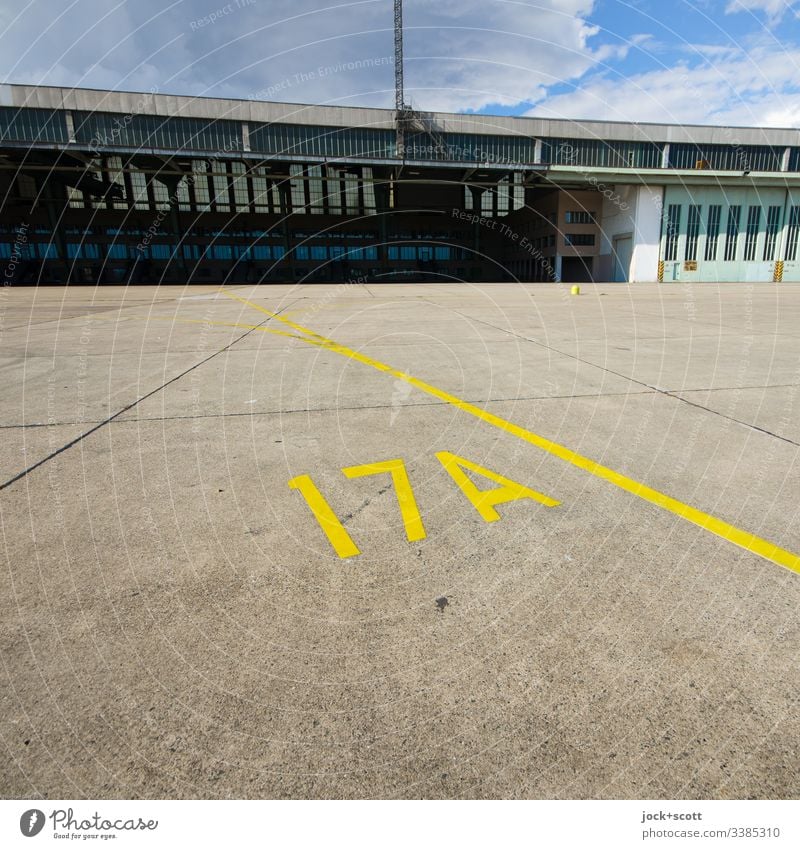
(114, 187)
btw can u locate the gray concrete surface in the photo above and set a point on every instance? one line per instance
(175, 623)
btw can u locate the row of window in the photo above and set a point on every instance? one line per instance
(580, 216)
(306, 140)
(316, 253)
(141, 131)
(229, 186)
(738, 229)
(579, 239)
(542, 242)
(508, 196)
(598, 153)
(118, 251)
(106, 129)
(470, 147)
(426, 253)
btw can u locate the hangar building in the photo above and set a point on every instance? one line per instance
(117, 187)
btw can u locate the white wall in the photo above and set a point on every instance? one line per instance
(644, 266)
(631, 211)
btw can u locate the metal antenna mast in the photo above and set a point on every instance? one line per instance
(399, 99)
(407, 119)
(401, 112)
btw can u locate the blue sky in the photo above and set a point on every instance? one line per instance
(713, 61)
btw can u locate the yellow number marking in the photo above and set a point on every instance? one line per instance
(334, 530)
(415, 530)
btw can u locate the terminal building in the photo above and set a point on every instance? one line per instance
(123, 188)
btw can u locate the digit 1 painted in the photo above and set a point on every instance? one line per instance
(334, 530)
(412, 521)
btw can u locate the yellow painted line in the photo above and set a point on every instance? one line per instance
(338, 537)
(744, 539)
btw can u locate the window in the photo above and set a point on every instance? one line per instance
(240, 194)
(579, 217)
(220, 181)
(601, 153)
(117, 251)
(319, 252)
(115, 175)
(260, 190)
(82, 251)
(139, 187)
(732, 233)
(160, 251)
(751, 236)
(692, 232)
(221, 251)
(503, 195)
(315, 190)
(408, 252)
(191, 251)
(579, 239)
(673, 231)
(200, 184)
(351, 193)
(712, 231)
(369, 191)
(773, 226)
(726, 157)
(160, 194)
(794, 231)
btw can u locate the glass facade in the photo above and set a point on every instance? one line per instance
(303, 140)
(471, 147)
(33, 125)
(596, 153)
(106, 129)
(726, 157)
(102, 130)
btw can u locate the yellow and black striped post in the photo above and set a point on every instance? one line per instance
(777, 275)
(661, 271)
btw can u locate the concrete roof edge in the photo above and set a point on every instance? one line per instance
(125, 102)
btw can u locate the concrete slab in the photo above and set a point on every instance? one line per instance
(175, 622)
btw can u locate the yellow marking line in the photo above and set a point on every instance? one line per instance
(744, 539)
(338, 537)
(412, 521)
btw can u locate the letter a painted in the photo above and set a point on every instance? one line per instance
(484, 501)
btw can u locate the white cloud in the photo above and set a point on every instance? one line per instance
(773, 10)
(758, 87)
(461, 54)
